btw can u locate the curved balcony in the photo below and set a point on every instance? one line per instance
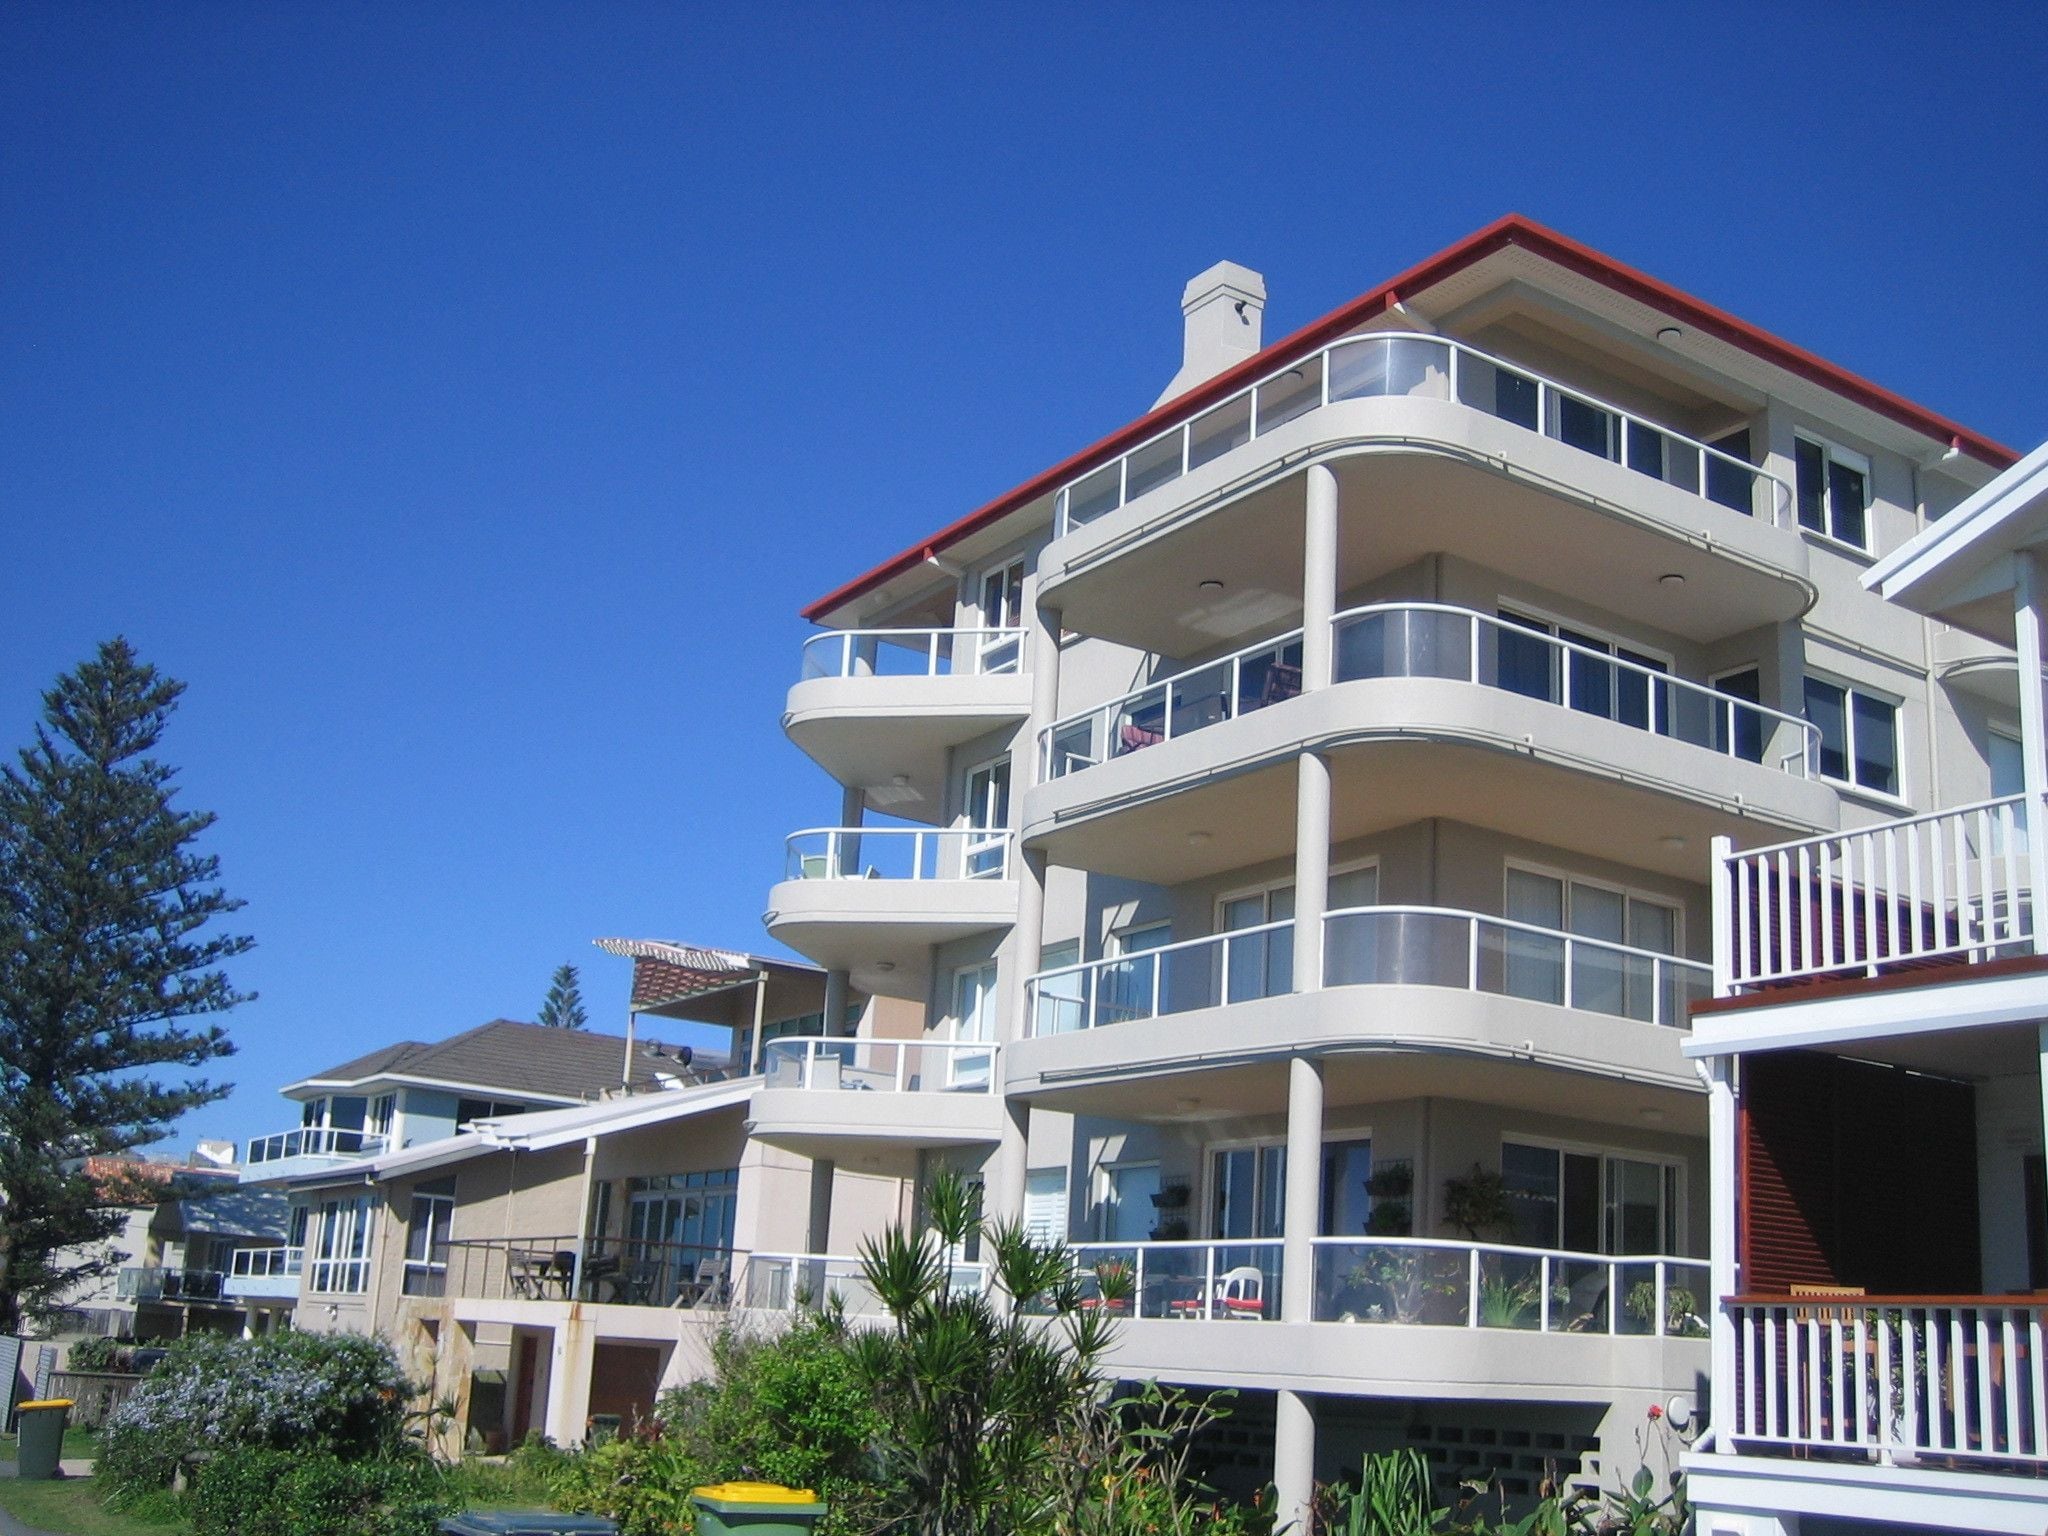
(877, 1099)
(1459, 998)
(873, 901)
(308, 1149)
(881, 708)
(1435, 711)
(1438, 447)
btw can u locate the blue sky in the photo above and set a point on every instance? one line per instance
(463, 399)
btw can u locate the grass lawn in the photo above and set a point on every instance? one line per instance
(77, 1442)
(71, 1507)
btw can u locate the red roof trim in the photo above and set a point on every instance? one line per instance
(1512, 229)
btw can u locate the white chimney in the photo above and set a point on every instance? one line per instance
(1223, 308)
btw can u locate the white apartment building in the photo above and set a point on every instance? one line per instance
(1876, 1051)
(1290, 818)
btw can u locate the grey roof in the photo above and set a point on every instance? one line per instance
(502, 1056)
(240, 1210)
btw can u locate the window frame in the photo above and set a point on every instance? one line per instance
(1672, 1166)
(424, 1274)
(343, 1248)
(1832, 453)
(1850, 690)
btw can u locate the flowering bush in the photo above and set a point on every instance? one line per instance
(336, 1393)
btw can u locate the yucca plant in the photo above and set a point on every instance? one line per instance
(977, 1388)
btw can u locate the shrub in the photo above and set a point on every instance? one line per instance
(250, 1491)
(641, 1481)
(94, 1354)
(339, 1394)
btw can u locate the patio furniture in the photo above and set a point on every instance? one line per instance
(1239, 1293)
(706, 1288)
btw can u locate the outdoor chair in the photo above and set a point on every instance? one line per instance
(1239, 1292)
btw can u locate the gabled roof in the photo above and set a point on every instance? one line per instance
(1512, 230)
(503, 1056)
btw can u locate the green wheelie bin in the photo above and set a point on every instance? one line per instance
(41, 1428)
(755, 1509)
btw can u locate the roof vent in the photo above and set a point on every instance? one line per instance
(1224, 309)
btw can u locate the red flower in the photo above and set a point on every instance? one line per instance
(1656, 1412)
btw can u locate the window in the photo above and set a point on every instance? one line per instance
(1045, 1205)
(2008, 765)
(1601, 979)
(1002, 607)
(383, 1114)
(427, 1232)
(1592, 686)
(1730, 484)
(1740, 732)
(988, 821)
(342, 1261)
(1128, 1214)
(1061, 998)
(467, 1110)
(1262, 964)
(1833, 491)
(1859, 735)
(974, 1020)
(1589, 1201)
(1248, 1190)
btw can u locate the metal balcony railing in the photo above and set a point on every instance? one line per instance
(1232, 967)
(1951, 886)
(624, 1271)
(898, 853)
(316, 1141)
(783, 1282)
(1436, 640)
(1437, 368)
(913, 653)
(823, 1064)
(169, 1284)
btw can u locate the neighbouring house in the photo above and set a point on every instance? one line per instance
(1875, 1051)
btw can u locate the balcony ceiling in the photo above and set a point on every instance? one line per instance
(1396, 507)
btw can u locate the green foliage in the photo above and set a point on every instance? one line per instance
(94, 1354)
(1392, 1498)
(1124, 1470)
(1680, 1317)
(562, 1008)
(249, 1491)
(102, 903)
(1477, 1203)
(338, 1394)
(641, 1481)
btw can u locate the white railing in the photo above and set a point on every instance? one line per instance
(1458, 644)
(1232, 967)
(1892, 1377)
(1950, 883)
(258, 1263)
(1429, 367)
(1235, 1278)
(788, 1282)
(913, 653)
(1444, 947)
(898, 853)
(1435, 640)
(1216, 691)
(864, 1065)
(316, 1141)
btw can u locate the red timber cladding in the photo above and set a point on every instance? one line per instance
(1787, 916)
(1855, 1173)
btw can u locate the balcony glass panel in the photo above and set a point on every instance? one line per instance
(1153, 465)
(1214, 433)
(1294, 393)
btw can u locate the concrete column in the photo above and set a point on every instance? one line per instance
(1042, 661)
(1303, 1201)
(1318, 577)
(1311, 868)
(818, 1239)
(1724, 1158)
(837, 985)
(569, 1361)
(2028, 597)
(853, 805)
(1003, 1200)
(1294, 1458)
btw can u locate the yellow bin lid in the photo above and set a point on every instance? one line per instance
(755, 1493)
(48, 1402)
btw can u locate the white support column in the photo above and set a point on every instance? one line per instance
(1723, 1160)
(1302, 1202)
(853, 807)
(1721, 850)
(760, 1019)
(1042, 661)
(1311, 868)
(837, 986)
(1005, 1199)
(1318, 577)
(1294, 1459)
(2027, 617)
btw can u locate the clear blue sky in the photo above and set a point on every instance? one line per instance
(463, 399)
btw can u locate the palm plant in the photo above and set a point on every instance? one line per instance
(977, 1387)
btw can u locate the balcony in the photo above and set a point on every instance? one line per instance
(1434, 711)
(1437, 447)
(882, 708)
(1944, 889)
(790, 1282)
(618, 1271)
(1463, 1002)
(873, 901)
(308, 1149)
(838, 1097)
(203, 1286)
(265, 1273)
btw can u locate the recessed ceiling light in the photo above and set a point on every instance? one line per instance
(885, 966)
(1672, 841)
(1212, 585)
(1671, 579)
(1198, 839)
(1651, 1116)
(899, 780)
(1668, 334)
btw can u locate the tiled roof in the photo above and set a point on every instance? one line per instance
(502, 1056)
